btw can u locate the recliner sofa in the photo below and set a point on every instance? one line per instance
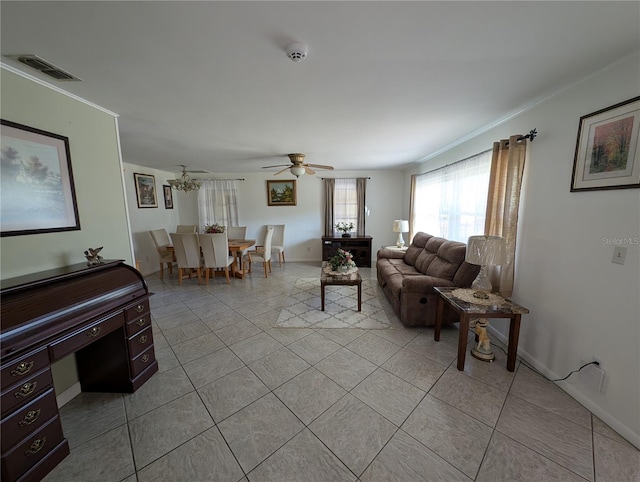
(408, 278)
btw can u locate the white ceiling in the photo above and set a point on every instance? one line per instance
(385, 84)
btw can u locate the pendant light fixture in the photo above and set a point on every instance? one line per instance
(185, 183)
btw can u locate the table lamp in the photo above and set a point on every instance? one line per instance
(484, 251)
(400, 226)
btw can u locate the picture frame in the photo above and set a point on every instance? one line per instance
(38, 192)
(281, 193)
(168, 196)
(146, 190)
(607, 149)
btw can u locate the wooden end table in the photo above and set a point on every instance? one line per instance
(350, 279)
(467, 310)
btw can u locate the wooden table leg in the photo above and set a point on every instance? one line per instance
(437, 326)
(322, 296)
(360, 296)
(462, 340)
(512, 350)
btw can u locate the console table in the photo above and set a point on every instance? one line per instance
(99, 313)
(358, 246)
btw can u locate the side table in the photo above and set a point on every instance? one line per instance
(466, 310)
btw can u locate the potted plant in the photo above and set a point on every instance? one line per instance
(342, 261)
(213, 228)
(345, 228)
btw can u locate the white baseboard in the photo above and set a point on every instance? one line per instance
(68, 395)
(606, 417)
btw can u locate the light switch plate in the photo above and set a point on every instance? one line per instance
(619, 254)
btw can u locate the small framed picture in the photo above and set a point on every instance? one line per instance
(281, 193)
(146, 190)
(607, 151)
(168, 196)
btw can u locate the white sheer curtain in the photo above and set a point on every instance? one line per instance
(451, 202)
(345, 201)
(218, 202)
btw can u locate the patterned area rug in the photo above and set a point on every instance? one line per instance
(341, 307)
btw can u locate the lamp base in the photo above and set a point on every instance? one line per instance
(400, 241)
(481, 295)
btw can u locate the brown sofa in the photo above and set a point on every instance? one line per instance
(408, 278)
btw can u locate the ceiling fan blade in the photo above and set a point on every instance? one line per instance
(320, 166)
(277, 165)
(282, 170)
(308, 170)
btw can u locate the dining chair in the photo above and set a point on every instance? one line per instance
(161, 239)
(277, 243)
(215, 250)
(187, 228)
(262, 253)
(187, 252)
(238, 232)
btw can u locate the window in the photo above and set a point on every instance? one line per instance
(345, 201)
(451, 202)
(217, 202)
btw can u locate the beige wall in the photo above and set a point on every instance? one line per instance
(93, 140)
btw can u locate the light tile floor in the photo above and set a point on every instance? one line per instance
(239, 400)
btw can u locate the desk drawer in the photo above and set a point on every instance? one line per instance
(28, 418)
(32, 449)
(140, 342)
(145, 359)
(139, 323)
(26, 391)
(134, 311)
(78, 339)
(23, 367)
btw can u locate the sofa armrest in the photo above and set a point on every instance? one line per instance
(423, 284)
(390, 253)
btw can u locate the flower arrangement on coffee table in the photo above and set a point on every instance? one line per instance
(342, 261)
(213, 228)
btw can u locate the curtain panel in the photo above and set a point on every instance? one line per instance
(345, 198)
(218, 202)
(503, 201)
(329, 220)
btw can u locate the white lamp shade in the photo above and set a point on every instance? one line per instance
(486, 250)
(297, 171)
(400, 226)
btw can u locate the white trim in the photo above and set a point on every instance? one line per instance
(55, 88)
(606, 417)
(69, 394)
(124, 194)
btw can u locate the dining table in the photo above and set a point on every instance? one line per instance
(236, 247)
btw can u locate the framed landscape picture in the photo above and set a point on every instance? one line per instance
(38, 194)
(146, 190)
(281, 193)
(607, 151)
(168, 197)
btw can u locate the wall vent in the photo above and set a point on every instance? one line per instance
(43, 66)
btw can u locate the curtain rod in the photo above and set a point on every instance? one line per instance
(323, 178)
(533, 133)
(218, 179)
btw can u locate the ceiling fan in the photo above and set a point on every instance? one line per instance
(298, 167)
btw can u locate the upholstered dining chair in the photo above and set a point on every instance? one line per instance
(187, 228)
(277, 243)
(187, 252)
(161, 239)
(262, 253)
(236, 232)
(215, 251)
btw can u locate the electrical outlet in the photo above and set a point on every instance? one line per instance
(619, 254)
(593, 376)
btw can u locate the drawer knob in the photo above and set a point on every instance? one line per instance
(140, 308)
(93, 332)
(26, 390)
(29, 418)
(145, 357)
(36, 446)
(141, 322)
(22, 369)
(143, 339)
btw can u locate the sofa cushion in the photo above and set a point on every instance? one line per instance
(450, 257)
(424, 260)
(416, 247)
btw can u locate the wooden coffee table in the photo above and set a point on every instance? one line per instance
(352, 278)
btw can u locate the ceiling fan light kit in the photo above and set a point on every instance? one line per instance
(298, 167)
(185, 183)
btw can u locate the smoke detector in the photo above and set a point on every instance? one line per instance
(297, 51)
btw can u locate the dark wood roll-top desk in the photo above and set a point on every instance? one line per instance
(101, 313)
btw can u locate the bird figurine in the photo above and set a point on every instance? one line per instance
(92, 256)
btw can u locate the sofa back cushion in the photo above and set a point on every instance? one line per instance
(416, 247)
(446, 263)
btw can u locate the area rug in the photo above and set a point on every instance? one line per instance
(302, 309)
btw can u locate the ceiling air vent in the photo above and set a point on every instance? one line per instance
(43, 66)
